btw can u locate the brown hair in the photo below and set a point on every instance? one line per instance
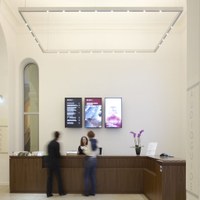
(90, 134)
(56, 135)
(81, 142)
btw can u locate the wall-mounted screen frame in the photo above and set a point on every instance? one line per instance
(93, 112)
(113, 112)
(73, 112)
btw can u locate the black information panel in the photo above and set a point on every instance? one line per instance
(73, 112)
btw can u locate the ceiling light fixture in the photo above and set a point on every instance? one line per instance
(177, 10)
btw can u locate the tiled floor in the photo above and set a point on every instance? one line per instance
(5, 195)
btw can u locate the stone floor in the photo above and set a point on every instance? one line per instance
(5, 195)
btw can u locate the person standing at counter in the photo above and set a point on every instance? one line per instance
(53, 163)
(90, 165)
(83, 145)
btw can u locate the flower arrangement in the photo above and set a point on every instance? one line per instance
(137, 138)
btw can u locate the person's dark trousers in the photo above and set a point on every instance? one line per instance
(90, 176)
(55, 171)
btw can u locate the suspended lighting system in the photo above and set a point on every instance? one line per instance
(177, 10)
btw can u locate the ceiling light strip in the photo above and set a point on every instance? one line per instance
(167, 31)
(100, 9)
(119, 51)
(32, 33)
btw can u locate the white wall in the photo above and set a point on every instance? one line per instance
(152, 87)
(7, 82)
(3, 111)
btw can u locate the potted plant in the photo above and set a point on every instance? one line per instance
(137, 141)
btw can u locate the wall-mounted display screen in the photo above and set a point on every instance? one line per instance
(73, 112)
(93, 112)
(113, 112)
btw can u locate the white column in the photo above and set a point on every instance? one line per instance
(193, 100)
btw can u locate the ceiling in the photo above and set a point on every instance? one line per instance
(62, 27)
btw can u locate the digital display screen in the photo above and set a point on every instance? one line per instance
(93, 112)
(113, 112)
(73, 112)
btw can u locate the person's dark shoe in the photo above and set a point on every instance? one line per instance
(86, 195)
(49, 195)
(63, 193)
(92, 194)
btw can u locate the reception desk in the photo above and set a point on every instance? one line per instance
(158, 179)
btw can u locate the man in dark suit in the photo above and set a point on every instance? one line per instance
(53, 162)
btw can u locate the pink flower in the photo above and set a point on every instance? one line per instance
(137, 140)
(134, 134)
(140, 133)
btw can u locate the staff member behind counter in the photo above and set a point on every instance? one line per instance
(83, 145)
